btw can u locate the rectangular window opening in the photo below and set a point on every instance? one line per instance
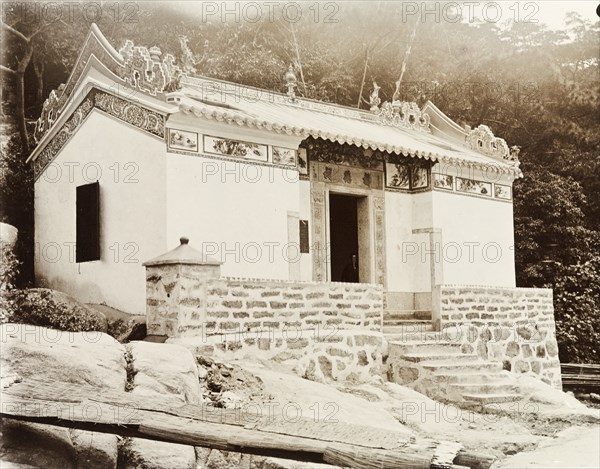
(87, 247)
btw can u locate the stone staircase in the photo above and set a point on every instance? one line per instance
(401, 323)
(423, 359)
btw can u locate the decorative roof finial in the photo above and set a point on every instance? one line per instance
(291, 83)
(396, 95)
(514, 153)
(187, 56)
(374, 99)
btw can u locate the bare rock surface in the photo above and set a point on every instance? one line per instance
(36, 445)
(91, 358)
(573, 447)
(87, 358)
(292, 396)
(164, 369)
(549, 401)
(95, 450)
(167, 372)
(139, 453)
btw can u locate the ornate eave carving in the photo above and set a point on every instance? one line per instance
(324, 151)
(483, 140)
(140, 117)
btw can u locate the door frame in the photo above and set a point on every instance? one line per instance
(326, 178)
(365, 240)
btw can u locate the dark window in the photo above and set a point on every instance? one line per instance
(88, 223)
(304, 237)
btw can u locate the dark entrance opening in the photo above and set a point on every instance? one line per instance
(343, 237)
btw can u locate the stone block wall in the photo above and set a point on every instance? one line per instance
(176, 298)
(250, 305)
(514, 326)
(320, 330)
(183, 300)
(340, 355)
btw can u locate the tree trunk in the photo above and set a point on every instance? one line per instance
(20, 77)
(39, 75)
(364, 76)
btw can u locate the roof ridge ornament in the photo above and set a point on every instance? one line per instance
(483, 140)
(291, 82)
(398, 113)
(149, 71)
(189, 62)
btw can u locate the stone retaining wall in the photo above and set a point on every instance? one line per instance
(321, 330)
(514, 326)
(340, 355)
(249, 305)
(186, 300)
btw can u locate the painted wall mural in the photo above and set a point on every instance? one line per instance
(502, 192)
(443, 181)
(419, 177)
(302, 162)
(405, 176)
(182, 140)
(471, 186)
(284, 156)
(238, 148)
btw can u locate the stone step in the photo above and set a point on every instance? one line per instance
(411, 327)
(401, 322)
(393, 314)
(491, 398)
(400, 347)
(431, 337)
(493, 388)
(426, 357)
(467, 376)
(445, 366)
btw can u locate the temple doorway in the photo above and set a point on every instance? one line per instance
(344, 238)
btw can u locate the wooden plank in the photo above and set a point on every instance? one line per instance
(327, 430)
(581, 375)
(129, 415)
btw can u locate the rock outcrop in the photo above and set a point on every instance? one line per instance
(87, 358)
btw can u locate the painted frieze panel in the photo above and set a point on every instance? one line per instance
(183, 140)
(284, 156)
(471, 186)
(237, 148)
(302, 162)
(443, 181)
(502, 192)
(419, 178)
(406, 176)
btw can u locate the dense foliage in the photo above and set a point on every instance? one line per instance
(537, 88)
(41, 307)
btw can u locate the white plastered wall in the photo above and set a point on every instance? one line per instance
(477, 240)
(236, 211)
(130, 167)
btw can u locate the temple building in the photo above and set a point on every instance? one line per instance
(135, 151)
